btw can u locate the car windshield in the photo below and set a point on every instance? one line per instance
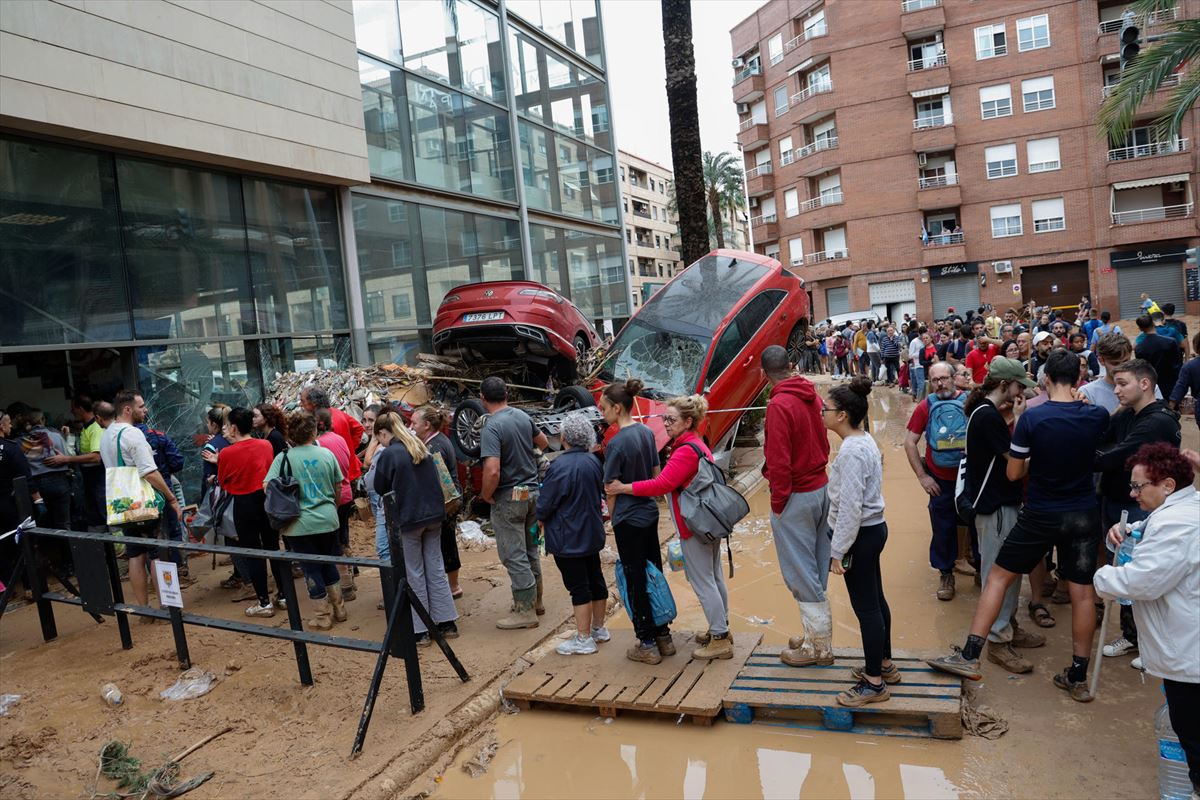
(667, 341)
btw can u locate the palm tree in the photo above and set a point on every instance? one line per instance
(1179, 46)
(719, 171)
(735, 201)
(680, 62)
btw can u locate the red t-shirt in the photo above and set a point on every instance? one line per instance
(977, 361)
(243, 466)
(917, 424)
(351, 432)
(334, 444)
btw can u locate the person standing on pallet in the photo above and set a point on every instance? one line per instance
(510, 477)
(796, 451)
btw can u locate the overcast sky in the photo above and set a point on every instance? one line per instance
(637, 76)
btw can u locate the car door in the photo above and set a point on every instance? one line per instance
(733, 379)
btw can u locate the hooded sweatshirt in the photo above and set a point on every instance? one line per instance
(1127, 431)
(795, 445)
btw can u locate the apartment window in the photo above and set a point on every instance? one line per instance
(628, 236)
(775, 48)
(824, 130)
(1001, 161)
(657, 241)
(1033, 33)
(821, 76)
(995, 101)
(1037, 94)
(631, 270)
(796, 251)
(771, 251)
(791, 201)
(781, 100)
(815, 25)
(990, 41)
(1048, 215)
(396, 212)
(1042, 154)
(785, 151)
(401, 306)
(622, 174)
(1006, 220)
(830, 187)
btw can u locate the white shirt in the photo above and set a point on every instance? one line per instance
(914, 351)
(1100, 393)
(135, 450)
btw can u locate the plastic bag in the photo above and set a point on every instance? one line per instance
(662, 602)
(471, 536)
(191, 684)
(7, 701)
(675, 554)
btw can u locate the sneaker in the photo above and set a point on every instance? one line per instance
(423, 639)
(946, 587)
(890, 673)
(1119, 647)
(257, 610)
(1077, 689)
(600, 635)
(956, 664)
(232, 582)
(280, 602)
(863, 693)
(577, 646)
(1003, 654)
(449, 630)
(1137, 664)
(645, 653)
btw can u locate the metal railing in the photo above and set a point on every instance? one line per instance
(945, 239)
(761, 169)
(809, 91)
(827, 143)
(828, 255)
(936, 121)
(747, 124)
(642, 214)
(816, 31)
(748, 72)
(763, 219)
(1152, 214)
(1169, 82)
(937, 181)
(1155, 18)
(917, 5)
(821, 200)
(918, 64)
(1148, 149)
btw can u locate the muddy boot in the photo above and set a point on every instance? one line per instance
(337, 602)
(665, 644)
(946, 587)
(1024, 638)
(646, 654)
(349, 589)
(703, 638)
(816, 647)
(523, 615)
(1002, 653)
(322, 618)
(719, 646)
(538, 608)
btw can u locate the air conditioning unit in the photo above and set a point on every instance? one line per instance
(1002, 267)
(743, 108)
(753, 202)
(922, 159)
(737, 63)
(1177, 186)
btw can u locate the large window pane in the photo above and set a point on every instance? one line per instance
(295, 257)
(595, 281)
(186, 251)
(398, 347)
(557, 93)
(377, 28)
(572, 22)
(564, 175)
(385, 118)
(454, 42)
(388, 234)
(60, 248)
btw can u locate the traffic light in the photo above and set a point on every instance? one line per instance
(1131, 39)
(1191, 256)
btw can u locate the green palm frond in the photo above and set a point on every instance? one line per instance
(1182, 100)
(1143, 77)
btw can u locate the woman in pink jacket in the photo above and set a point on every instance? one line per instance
(702, 562)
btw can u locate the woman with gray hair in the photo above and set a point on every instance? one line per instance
(568, 508)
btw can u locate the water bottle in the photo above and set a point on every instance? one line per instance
(1173, 780)
(1125, 555)
(112, 695)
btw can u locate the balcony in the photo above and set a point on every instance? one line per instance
(934, 121)
(1148, 150)
(817, 157)
(927, 73)
(748, 85)
(821, 256)
(812, 102)
(919, 17)
(765, 227)
(938, 191)
(753, 133)
(642, 214)
(1156, 18)
(933, 133)
(1159, 214)
(821, 201)
(1169, 82)
(920, 64)
(760, 180)
(944, 248)
(805, 46)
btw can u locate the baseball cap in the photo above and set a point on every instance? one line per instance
(1009, 369)
(1042, 335)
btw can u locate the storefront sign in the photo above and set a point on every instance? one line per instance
(1192, 279)
(1165, 254)
(950, 270)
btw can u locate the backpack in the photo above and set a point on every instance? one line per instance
(946, 431)
(963, 489)
(283, 497)
(709, 507)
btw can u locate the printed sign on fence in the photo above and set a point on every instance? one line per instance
(166, 573)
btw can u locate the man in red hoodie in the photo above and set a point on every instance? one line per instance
(796, 450)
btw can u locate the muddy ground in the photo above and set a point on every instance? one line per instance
(293, 741)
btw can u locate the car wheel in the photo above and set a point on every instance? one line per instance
(466, 426)
(795, 342)
(570, 398)
(581, 345)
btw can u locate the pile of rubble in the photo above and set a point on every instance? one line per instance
(354, 388)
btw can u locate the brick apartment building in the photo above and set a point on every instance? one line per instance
(912, 155)
(650, 226)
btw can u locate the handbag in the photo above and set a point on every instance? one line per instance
(283, 497)
(128, 497)
(451, 496)
(963, 503)
(215, 516)
(662, 602)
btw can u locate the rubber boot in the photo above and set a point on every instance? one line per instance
(349, 590)
(817, 646)
(523, 615)
(337, 602)
(322, 618)
(537, 603)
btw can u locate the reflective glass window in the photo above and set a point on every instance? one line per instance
(564, 175)
(453, 42)
(398, 347)
(61, 278)
(575, 23)
(390, 261)
(595, 281)
(377, 28)
(557, 93)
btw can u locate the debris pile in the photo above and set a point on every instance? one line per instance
(354, 388)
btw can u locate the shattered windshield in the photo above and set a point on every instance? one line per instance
(666, 342)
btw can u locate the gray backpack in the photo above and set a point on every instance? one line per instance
(283, 497)
(710, 508)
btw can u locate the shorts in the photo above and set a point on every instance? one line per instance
(141, 530)
(1076, 534)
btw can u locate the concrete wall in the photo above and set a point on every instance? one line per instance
(271, 85)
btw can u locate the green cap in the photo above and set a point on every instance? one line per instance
(1009, 369)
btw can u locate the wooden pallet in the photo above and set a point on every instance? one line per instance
(924, 703)
(608, 683)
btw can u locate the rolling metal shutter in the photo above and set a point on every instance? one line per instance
(838, 301)
(960, 293)
(893, 292)
(1163, 282)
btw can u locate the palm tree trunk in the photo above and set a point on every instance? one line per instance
(714, 204)
(685, 129)
(733, 224)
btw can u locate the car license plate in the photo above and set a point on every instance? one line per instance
(486, 316)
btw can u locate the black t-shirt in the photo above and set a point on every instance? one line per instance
(277, 440)
(988, 441)
(1164, 355)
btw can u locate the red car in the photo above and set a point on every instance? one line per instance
(512, 321)
(703, 333)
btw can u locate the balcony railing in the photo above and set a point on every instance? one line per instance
(827, 255)
(918, 64)
(1148, 149)
(809, 91)
(945, 239)
(822, 200)
(1168, 82)
(748, 72)
(1156, 18)
(935, 121)
(825, 143)
(761, 169)
(643, 214)
(747, 124)
(763, 219)
(809, 33)
(917, 5)
(1152, 214)
(644, 242)
(937, 181)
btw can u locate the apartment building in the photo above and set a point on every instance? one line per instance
(908, 156)
(195, 196)
(651, 226)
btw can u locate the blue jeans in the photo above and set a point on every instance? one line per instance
(916, 380)
(382, 549)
